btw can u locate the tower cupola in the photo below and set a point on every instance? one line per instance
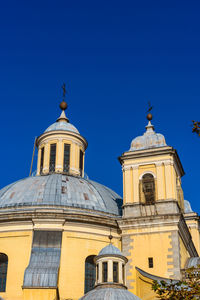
(61, 148)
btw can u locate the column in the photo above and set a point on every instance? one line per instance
(160, 181)
(38, 161)
(168, 180)
(100, 272)
(110, 271)
(135, 183)
(120, 272)
(59, 156)
(46, 158)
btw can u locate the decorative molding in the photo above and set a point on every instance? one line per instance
(147, 172)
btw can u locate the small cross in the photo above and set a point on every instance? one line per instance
(64, 90)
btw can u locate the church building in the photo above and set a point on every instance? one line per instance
(66, 237)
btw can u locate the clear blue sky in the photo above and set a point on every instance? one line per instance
(114, 56)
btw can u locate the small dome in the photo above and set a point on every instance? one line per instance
(103, 293)
(150, 139)
(187, 207)
(110, 249)
(192, 262)
(62, 125)
(57, 190)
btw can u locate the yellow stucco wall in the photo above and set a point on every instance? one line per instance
(155, 243)
(78, 242)
(17, 246)
(184, 255)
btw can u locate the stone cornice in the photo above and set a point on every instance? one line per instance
(154, 152)
(56, 133)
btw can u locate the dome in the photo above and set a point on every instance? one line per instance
(187, 207)
(150, 139)
(60, 191)
(62, 125)
(193, 262)
(103, 293)
(110, 249)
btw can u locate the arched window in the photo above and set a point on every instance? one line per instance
(90, 273)
(148, 188)
(3, 271)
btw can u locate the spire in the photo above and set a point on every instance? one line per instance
(63, 107)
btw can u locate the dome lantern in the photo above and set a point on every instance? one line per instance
(110, 281)
(61, 148)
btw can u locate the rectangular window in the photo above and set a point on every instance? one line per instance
(52, 160)
(81, 162)
(66, 162)
(150, 259)
(105, 271)
(115, 272)
(42, 160)
(123, 273)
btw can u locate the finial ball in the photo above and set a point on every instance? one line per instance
(63, 105)
(110, 237)
(149, 116)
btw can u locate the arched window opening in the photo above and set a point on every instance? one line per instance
(148, 188)
(115, 272)
(90, 273)
(3, 271)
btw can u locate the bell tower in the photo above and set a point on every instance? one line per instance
(152, 174)
(155, 237)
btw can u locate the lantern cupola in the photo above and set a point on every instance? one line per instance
(61, 148)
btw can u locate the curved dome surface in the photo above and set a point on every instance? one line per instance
(62, 125)
(110, 249)
(59, 190)
(150, 139)
(109, 294)
(187, 207)
(192, 262)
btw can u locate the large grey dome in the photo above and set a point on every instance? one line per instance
(109, 293)
(59, 190)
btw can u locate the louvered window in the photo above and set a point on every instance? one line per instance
(66, 158)
(115, 272)
(52, 160)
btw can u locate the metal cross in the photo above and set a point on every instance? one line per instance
(64, 90)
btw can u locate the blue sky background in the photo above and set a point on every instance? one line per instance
(114, 56)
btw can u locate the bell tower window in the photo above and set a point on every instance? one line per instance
(148, 188)
(81, 162)
(52, 160)
(42, 160)
(66, 163)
